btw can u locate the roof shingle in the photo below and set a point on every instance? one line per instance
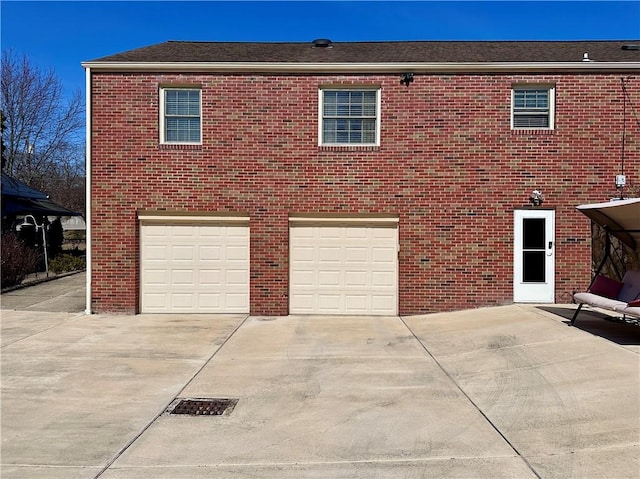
(381, 52)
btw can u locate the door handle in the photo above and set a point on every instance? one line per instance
(550, 252)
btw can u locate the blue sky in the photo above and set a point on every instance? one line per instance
(60, 35)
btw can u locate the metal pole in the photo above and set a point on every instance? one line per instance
(44, 246)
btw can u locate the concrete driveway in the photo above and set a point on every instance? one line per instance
(62, 294)
(506, 392)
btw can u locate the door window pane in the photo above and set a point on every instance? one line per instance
(534, 254)
(533, 266)
(533, 233)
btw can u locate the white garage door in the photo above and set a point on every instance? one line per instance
(194, 268)
(344, 269)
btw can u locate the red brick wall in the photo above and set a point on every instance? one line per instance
(448, 165)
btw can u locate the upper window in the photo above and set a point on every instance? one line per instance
(532, 106)
(349, 116)
(180, 115)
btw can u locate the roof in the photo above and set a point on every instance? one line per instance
(20, 199)
(620, 217)
(383, 52)
(13, 187)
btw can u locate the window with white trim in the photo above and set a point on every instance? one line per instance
(532, 107)
(180, 115)
(349, 116)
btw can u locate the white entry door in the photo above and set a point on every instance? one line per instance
(534, 256)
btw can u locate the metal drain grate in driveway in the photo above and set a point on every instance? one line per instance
(202, 407)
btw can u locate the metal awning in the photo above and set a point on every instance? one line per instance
(621, 218)
(12, 206)
(20, 199)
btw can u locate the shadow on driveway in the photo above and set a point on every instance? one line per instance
(599, 324)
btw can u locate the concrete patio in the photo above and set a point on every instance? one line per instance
(509, 392)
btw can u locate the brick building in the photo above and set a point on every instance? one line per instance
(352, 178)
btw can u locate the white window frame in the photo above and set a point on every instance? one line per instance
(551, 91)
(163, 127)
(321, 92)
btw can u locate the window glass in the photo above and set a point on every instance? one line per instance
(533, 233)
(349, 116)
(532, 107)
(181, 116)
(533, 255)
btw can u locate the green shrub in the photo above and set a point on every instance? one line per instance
(18, 260)
(63, 263)
(75, 235)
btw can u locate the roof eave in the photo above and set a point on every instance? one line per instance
(416, 67)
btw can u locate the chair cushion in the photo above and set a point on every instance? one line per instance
(599, 301)
(607, 287)
(631, 288)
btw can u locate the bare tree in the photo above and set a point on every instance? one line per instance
(43, 130)
(67, 185)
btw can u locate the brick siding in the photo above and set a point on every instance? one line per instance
(448, 166)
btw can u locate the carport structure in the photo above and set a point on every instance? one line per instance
(19, 199)
(618, 218)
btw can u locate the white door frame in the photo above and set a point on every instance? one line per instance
(534, 263)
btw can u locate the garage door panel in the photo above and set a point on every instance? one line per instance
(198, 268)
(211, 231)
(302, 253)
(236, 278)
(157, 300)
(157, 276)
(182, 277)
(303, 234)
(343, 269)
(303, 279)
(209, 253)
(357, 254)
(185, 231)
(182, 253)
(355, 278)
(356, 303)
(384, 304)
(211, 272)
(327, 304)
(209, 301)
(182, 300)
(329, 232)
(381, 279)
(236, 253)
(329, 254)
(237, 301)
(303, 303)
(156, 235)
(355, 233)
(329, 278)
(156, 252)
(387, 253)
